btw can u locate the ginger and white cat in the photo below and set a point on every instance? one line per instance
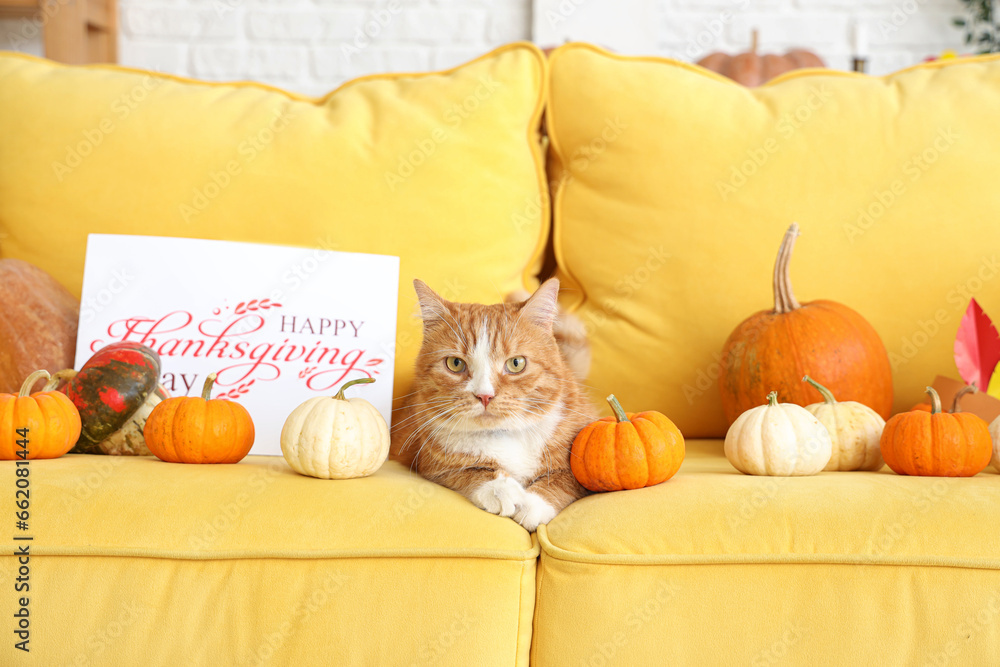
(495, 405)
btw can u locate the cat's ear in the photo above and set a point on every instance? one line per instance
(432, 306)
(542, 307)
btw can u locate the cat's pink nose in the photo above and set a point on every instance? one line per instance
(485, 398)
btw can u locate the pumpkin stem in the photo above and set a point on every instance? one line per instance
(827, 394)
(772, 399)
(935, 400)
(206, 391)
(784, 299)
(967, 389)
(30, 381)
(616, 408)
(340, 394)
(58, 377)
(754, 39)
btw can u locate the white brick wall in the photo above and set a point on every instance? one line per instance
(311, 46)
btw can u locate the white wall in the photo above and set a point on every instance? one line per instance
(311, 46)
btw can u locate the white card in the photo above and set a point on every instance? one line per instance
(279, 325)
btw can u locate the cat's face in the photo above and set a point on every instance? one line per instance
(489, 367)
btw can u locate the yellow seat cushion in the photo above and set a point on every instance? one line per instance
(675, 185)
(252, 563)
(441, 169)
(859, 568)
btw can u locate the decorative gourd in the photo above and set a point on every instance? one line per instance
(51, 420)
(773, 349)
(38, 320)
(750, 69)
(627, 451)
(188, 429)
(854, 428)
(938, 444)
(333, 437)
(114, 391)
(780, 439)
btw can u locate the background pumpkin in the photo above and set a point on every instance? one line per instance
(626, 451)
(189, 429)
(115, 391)
(938, 444)
(778, 439)
(334, 437)
(773, 349)
(751, 69)
(38, 322)
(51, 419)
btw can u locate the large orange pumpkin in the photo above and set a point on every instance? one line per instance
(627, 451)
(937, 444)
(772, 350)
(38, 320)
(47, 420)
(751, 69)
(187, 429)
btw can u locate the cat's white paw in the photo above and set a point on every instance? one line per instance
(533, 511)
(501, 496)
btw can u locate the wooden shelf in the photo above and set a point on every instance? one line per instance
(74, 31)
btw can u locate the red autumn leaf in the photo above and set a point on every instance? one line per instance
(977, 347)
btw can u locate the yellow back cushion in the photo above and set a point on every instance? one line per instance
(675, 186)
(442, 169)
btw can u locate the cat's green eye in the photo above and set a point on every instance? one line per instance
(454, 364)
(516, 364)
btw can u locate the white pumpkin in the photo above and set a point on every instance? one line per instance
(855, 431)
(995, 436)
(335, 437)
(778, 439)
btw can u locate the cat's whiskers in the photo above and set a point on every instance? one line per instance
(430, 438)
(430, 420)
(400, 424)
(414, 405)
(420, 413)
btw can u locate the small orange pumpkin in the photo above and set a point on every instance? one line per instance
(627, 451)
(51, 421)
(938, 444)
(187, 429)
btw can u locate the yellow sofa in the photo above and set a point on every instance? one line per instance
(136, 561)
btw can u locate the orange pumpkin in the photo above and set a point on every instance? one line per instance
(772, 349)
(48, 420)
(627, 451)
(937, 444)
(38, 319)
(750, 69)
(188, 429)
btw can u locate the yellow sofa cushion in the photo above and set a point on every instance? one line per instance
(253, 563)
(441, 169)
(833, 565)
(674, 186)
